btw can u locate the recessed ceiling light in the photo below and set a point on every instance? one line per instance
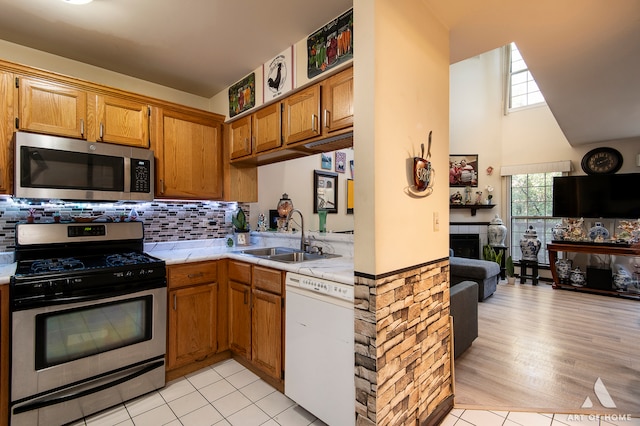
(77, 1)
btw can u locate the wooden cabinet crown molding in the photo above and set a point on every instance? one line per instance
(97, 88)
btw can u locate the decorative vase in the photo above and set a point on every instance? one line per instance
(530, 245)
(563, 269)
(497, 232)
(577, 277)
(285, 205)
(559, 231)
(598, 233)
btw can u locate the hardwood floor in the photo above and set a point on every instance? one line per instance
(541, 349)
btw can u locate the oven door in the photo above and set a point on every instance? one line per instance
(64, 354)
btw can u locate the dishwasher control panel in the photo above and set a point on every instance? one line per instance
(320, 285)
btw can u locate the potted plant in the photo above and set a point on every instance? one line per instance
(240, 227)
(510, 271)
(490, 254)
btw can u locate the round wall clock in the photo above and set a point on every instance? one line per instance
(600, 161)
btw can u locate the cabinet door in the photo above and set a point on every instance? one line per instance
(6, 130)
(52, 108)
(240, 137)
(337, 101)
(191, 157)
(240, 318)
(267, 128)
(122, 121)
(4, 353)
(301, 115)
(192, 324)
(266, 332)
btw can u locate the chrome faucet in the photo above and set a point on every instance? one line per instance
(303, 242)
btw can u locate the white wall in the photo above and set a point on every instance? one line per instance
(401, 86)
(527, 136)
(295, 177)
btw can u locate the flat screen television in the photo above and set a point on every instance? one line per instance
(614, 196)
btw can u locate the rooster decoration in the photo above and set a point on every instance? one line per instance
(275, 83)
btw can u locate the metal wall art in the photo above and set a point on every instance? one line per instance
(422, 172)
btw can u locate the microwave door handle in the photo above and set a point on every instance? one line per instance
(127, 175)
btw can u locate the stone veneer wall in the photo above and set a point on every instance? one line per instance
(163, 220)
(402, 338)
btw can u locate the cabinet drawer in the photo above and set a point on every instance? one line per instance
(267, 279)
(240, 272)
(193, 273)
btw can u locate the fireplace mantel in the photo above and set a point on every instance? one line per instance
(472, 207)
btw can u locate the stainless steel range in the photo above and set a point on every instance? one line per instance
(88, 312)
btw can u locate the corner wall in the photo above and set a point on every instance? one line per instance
(401, 87)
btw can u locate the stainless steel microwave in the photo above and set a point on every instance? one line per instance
(52, 167)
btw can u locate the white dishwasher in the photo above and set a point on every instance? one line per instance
(319, 348)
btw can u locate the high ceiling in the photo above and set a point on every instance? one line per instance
(584, 54)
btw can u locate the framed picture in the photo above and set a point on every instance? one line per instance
(325, 190)
(341, 160)
(330, 45)
(242, 95)
(463, 170)
(349, 196)
(277, 75)
(326, 163)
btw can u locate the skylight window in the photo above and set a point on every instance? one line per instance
(523, 90)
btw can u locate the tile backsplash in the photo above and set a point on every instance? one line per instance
(163, 220)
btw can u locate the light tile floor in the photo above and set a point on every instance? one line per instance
(229, 394)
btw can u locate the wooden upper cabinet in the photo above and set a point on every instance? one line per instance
(7, 126)
(51, 108)
(122, 121)
(240, 137)
(266, 132)
(189, 154)
(337, 101)
(301, 115)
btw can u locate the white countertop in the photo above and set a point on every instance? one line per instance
(338, 269)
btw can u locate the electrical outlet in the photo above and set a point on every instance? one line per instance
(436, 221)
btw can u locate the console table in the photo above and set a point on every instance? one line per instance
(594, 248)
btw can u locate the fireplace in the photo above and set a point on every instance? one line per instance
(465, 245)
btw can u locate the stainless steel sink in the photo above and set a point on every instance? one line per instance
(268, 251)
(285, 254)
(300, 256)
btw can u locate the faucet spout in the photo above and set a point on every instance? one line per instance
(303, 242)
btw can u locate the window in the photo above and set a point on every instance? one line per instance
(523, 90)
(531, 205)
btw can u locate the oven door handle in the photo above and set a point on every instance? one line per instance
(45, 401)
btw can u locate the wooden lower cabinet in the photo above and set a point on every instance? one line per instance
(266, 332)
(192, 320)
(4, 354)
(256, 317)
(240, 319)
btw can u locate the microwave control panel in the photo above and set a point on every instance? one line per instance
(140, 175)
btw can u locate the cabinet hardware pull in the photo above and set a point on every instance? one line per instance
(198, 275)
(101, 131)
(162, 186)
(313, 123)
(246, 296)
(175, 302)
(326, 118)
(82, 127)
